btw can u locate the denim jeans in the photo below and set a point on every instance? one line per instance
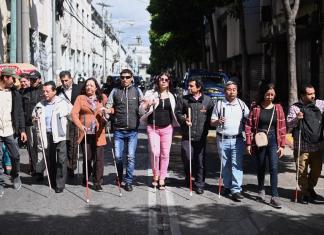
(269, 153)
(231, 151)
(12, 146)
(120, 138)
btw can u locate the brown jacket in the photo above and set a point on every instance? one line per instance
(82, 115)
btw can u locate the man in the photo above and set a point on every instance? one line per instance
(69, 91)
(230, 140)
(124, 102)
(307, 111)
(52, 113)
(31, 96)
(12, 124)
(201, 107)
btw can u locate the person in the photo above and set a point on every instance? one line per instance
(201, 109)
(87, 116)
(123, 103)
(108, 86)
(31, 96)
(24, 82)
(52, 113)
(310, 155)
(267, 117)
(81, 80)
(12, 124)
(69, 91)
(230, 142)
(159, 108)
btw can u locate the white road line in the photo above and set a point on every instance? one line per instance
(152, 213)
(173, 217)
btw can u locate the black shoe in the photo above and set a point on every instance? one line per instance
(304, 199)
(199, 191)
(39, 177)
(98, 188)
(128, 187)
(312, 194)
(70, 172)
(226, 192)
(58, 190)
(237, 197)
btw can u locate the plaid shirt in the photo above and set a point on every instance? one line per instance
(292, 123)
(251, 125)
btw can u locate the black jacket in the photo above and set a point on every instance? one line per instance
(201, 111)
(17, 113)
(30, 97)
(76, 90)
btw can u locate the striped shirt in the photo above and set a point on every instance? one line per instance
(292, 123)
(252, 124)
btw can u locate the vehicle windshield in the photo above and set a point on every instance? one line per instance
(213, 81)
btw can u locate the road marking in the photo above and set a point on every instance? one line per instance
(152, 210)
(173, 217)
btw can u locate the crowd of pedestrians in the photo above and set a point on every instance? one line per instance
(57, 122)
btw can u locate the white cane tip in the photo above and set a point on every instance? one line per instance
(120, 195)
(190, 194)
(88, 200)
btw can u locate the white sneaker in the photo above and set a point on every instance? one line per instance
(17, 183)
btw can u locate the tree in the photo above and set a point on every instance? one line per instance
(291, 13)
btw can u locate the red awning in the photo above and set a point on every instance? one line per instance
(19, 67)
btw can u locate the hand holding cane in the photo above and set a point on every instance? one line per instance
(190, 165)
(297, 166)
(220, 179)
(38, 113)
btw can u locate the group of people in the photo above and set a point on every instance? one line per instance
(59, 122)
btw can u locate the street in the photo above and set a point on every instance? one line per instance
(37, 210)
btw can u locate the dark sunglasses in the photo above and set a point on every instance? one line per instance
(164, 79)
(125, 77)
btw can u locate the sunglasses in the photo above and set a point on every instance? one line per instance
(125, 77)
(164, 79)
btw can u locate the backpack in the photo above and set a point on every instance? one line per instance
(311, 124)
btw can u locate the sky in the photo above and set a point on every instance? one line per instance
(124, 10)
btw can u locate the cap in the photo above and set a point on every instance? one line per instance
(34, 75)
(9, 72)
(81, 79)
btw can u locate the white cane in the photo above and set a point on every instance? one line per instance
(297, 168)
(190, 165)
(220, 180)
(78, 161)
(86, 166)
(153, 150)
(38, 113)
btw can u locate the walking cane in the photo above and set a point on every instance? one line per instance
(154, 146)
(297, 167)
(190, 166)
(86, 166)
(78, 161)
(38, 113)
(220, 179)
(116, 170)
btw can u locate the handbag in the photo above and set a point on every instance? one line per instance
(261, 138)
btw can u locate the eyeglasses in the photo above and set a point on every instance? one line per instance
(125, 77)
(164, 79)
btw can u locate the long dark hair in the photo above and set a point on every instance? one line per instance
(98, 91)
(264, 87)
(157, 79)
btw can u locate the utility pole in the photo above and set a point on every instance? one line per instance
(54, 40)
(104, 42)
(19, 40)
(13, 32)
(25, 31)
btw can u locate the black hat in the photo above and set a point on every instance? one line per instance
(81, 79)
(34, 75)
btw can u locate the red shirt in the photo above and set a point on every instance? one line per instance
(252, 123)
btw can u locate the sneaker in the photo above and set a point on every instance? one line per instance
(304, 199)
(275, 202)
(17, 183)
(1, 191)
(98, 188)
(226, 192)
(39, 177)
(313, 194)
(128, 187)
(199, 191)
(237, 197)
(261, 195)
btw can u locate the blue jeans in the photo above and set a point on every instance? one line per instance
(231, 151)
(269, 153)
(12, 147)
(130, 138)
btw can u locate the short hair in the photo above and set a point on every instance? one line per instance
(52, 84)
(199, 82)
(126, 71)
(230, 82)
(304, 87)
(65, 73)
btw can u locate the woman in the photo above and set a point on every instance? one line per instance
(87, 116)
(159, 105)
(267, 117)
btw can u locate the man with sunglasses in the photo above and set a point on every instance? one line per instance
(123, 104)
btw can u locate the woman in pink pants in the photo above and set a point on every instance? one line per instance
(158, 107)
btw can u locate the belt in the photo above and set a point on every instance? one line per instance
(229, 136)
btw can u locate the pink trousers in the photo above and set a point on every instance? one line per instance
(159, 149)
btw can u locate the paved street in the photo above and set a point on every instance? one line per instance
(37, 210)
